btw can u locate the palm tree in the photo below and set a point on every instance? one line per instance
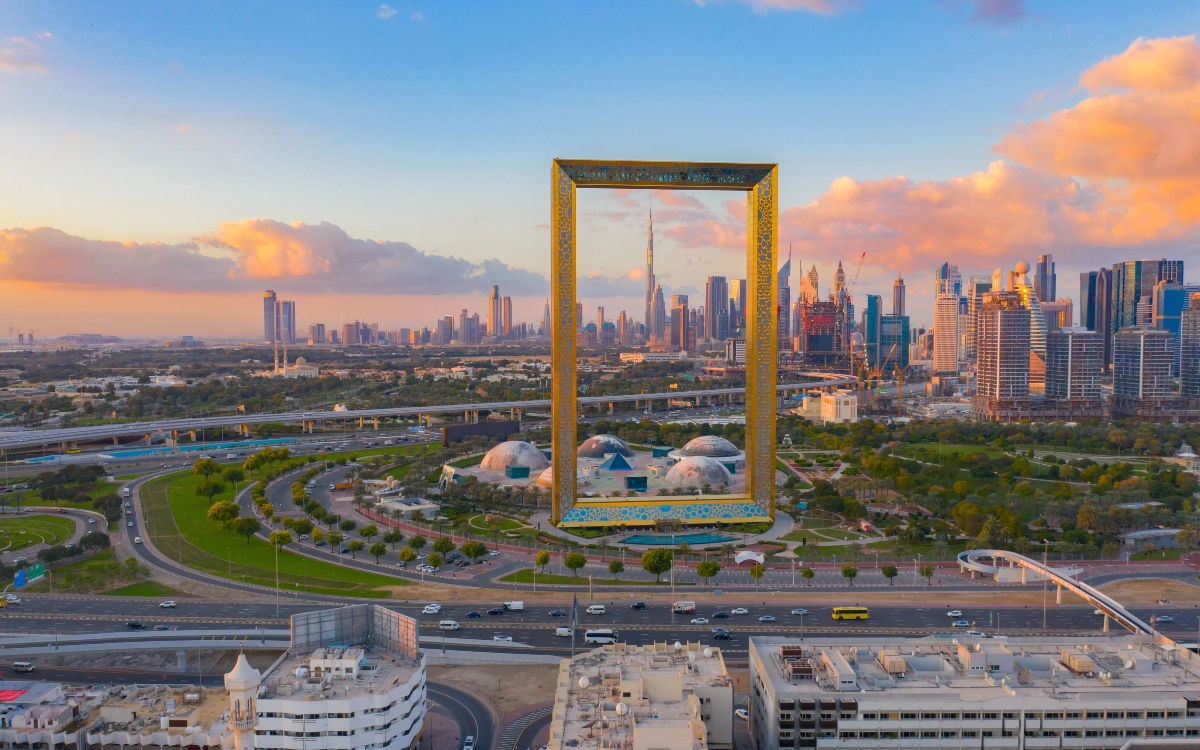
(727, 551)
(1188, 536)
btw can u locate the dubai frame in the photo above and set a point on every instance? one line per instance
(761, 183)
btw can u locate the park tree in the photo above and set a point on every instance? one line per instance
(926, 572)
(302, 526)
(657, 561)
(849, 572)
(377, 550)
(474, 550)
(356, 545)
(406, 555)
(574, 562)
(757, 571)
(890, 572)
(393, 537)
(443, 545)
(94, 540)
(435, 560)
(223, 512)
(369, 531)
(542, 560)
(417, 542)
(233, 475)
(247, 527)
(707, 569)
(348, 525)
(807, 574)
(209, 488)
(206, 467)
(280, 538)
(317, 535)
(335, 538)
(616, 567)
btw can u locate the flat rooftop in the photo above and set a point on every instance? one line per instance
(378, 671)
(899, 669)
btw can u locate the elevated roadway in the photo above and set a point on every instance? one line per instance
(970, 560)
(75, 435)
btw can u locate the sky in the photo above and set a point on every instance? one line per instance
(164, 163)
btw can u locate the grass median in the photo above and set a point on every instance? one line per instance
(177, 520)
(24, 531)
(526, 576)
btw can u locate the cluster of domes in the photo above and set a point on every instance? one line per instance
(598, 446)
(695, 471)
(713, 446)
(514, 453)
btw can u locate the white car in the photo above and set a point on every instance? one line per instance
(742, 714)
(505, 638)
(494, 553)
(976, 633)
(137, 540)
(699, 620)
(739, 611)
(167, 605)
(960, 624)
(432, 609)
(954, 613)
(12, 599)
(799, 611)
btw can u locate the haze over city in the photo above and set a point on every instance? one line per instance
(388, 162)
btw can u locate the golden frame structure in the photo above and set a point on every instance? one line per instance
(761, 183)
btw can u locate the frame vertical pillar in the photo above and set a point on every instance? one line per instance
(762, 343)
(563, 408)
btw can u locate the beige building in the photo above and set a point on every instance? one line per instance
(973, 692)
(838, 407)
(657, 697)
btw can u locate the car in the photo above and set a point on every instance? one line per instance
(505, 638)
(168, 604)
(977, 633)
(563, 632)
(557, 613)
(130, 524)
(496, 611)
(344, 551)
(453, 556)
(799, 611)
(638, 605)
(163, 627)
(464, 564)
(954, 613)
(135, 625)
(699, 620)
(767, 618)
(960, 624)
(332, 487)
(742, 714)
(494, 553)
(720, 615)
(432, 609)
(1097, 612)
(322, 543)
(129, 511)
(12, 599)
(719, 634)
(469, 743)
(137, 540)
(472, 615)
(1164, 618)
(479, 562)
(596, 609)
(739, 611)
(128, 504)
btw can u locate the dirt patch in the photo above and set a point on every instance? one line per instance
(1150, 590)
(507, 687)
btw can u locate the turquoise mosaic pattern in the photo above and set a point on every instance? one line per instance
(700, 511)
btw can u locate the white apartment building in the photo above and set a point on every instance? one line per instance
(657, 697)
(354, 679)
(945, 333)
(839, 406)
(972, 692)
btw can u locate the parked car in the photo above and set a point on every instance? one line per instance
(742, 714)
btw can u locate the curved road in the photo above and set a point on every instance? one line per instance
(473, 717)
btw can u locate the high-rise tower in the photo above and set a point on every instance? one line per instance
(269, 317)
(784, 302)
(898, 296)
(650, 271)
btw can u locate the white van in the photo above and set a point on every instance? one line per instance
(448, 625)
(515, 606)
(562, 632)
(126, 492)
(22, 666)
(601, 636)
(683, 608)
(595, 609)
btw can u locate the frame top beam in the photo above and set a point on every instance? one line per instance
(664, 174)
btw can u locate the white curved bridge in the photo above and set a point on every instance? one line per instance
(1111, 608)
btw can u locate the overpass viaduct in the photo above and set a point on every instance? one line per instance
(72, 436)
(971, 560)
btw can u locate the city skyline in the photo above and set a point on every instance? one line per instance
(1013, 178)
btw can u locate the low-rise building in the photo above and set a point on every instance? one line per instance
(971, 692)
(656, 697)
(839, 406)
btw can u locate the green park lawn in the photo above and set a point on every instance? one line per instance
(1169, 553)
(177, 521)
(144, 588)
(25, 531)
(525, 575)
(909, 449)
(801, 535)
(506, 524)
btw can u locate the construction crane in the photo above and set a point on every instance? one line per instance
(877, 371)
(857, 271)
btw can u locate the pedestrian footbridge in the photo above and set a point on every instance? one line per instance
(973, 560)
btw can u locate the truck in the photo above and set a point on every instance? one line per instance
(343, 485)
(683, 608)
(126, 492)
(514, 606)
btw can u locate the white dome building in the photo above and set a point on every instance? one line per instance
(546, 478)
(598, 446)
(514, 453)
(713, 446)
(695, 471)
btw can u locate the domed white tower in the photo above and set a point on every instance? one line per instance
(242, 683)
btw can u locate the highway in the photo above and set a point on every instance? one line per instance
(34, 438)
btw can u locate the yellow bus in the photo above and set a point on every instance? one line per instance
(849, 613)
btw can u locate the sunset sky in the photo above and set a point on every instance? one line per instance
(163, 163)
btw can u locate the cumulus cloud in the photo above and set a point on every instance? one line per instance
(246, 255)
(385, 12)
(823, 7)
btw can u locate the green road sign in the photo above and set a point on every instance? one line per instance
(35, 572)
